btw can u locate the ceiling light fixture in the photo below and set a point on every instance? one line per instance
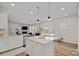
(31, 12)
(66, 14)
(49, 18)
(38, 14)
(12, 4)
(62, 8)
(37, 20)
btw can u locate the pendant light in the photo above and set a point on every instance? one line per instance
(38, 14)
(49, 18)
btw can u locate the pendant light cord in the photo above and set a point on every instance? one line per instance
(49, 7)
(38, 11)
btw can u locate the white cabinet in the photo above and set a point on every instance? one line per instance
(3, 23)
(12, 42)
(16, 41)
(3, 20)
(3, 44)
(35, 48)
(38, 49)
(29, 46)
(8, 43)
(49, 49)
(19, 41)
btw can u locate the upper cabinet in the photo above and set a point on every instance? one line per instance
(3, 24)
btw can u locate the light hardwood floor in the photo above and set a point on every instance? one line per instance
(61, 49)
(65, 49)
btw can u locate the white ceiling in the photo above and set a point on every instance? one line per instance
(21, 11)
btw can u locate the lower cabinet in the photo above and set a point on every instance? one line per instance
(8, 43)
(29, 46)
(19, 41)
(12, 42)
(15, 42)
(37, 49)
(4, 45)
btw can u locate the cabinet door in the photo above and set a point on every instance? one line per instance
(19, 40)
(3, 44)
(49, 49)
(29, 46)
(12, 43)
(37, 49)
(3, 21)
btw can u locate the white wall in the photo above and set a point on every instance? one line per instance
(43, 24)
(32, 28)
(78, 29)
(49, 24)
(71, 31)
(13, 27)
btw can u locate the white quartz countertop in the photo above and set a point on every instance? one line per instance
(45, 40)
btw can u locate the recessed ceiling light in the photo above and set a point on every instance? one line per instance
(62, 8)
(66, 14)
(12, 4)
(31, 12)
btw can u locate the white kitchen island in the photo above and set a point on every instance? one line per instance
(40, 46)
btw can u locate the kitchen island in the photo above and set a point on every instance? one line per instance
(37, 46)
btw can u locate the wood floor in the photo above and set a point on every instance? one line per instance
(65, 49)
(62, 49)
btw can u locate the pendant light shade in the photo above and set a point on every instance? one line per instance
(49, 18)
(37, 20)
(38, 14)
